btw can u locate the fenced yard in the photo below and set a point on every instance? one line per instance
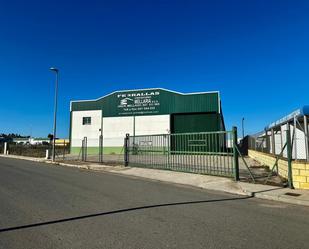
(211, 153)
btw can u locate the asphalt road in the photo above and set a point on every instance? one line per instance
(44, 206)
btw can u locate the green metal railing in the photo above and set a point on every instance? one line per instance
(209, 153)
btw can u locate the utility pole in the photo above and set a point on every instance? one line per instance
(55, 112)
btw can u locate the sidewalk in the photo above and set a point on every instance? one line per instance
(292, 196)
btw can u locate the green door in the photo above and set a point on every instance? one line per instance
(200, 122)
(194, 123)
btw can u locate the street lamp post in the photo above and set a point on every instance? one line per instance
(243, 128)
(55, 112)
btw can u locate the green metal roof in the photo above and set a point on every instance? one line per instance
(156, 101)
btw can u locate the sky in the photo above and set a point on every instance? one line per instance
(256, 53)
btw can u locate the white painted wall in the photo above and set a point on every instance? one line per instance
(115, 128)
(299, 148)
(278, 143)
(92, 131)
(299, 145)
(152, 125)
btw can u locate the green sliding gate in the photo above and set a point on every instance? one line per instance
(209, 153)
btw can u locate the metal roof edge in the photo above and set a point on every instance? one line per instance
(304, 110)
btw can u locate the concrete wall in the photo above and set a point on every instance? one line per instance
(300, 170)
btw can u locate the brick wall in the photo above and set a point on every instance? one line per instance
(300, 170)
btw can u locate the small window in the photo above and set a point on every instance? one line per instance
(86, 120)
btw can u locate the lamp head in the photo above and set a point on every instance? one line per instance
(54, 69)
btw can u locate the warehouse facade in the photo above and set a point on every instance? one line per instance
(141, 112)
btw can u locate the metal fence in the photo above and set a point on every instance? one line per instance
(267, 142)
(274, 142)
(107, 150)
(212, 153)
(27, 150)
(204, 153)
(38, 150)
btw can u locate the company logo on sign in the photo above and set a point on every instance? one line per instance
(125, 101)
(138, 102)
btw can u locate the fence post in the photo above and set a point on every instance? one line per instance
(289, 155)
(126, 150)
(101, 148)
(47, 154)
(83, 149)
(86, 147)
(235, 153)
(5, 148)
(63, 150)
(306, 137)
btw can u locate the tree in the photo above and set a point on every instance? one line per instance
(51, 137)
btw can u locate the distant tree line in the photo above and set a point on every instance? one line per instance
(12, 135)
(9, 137)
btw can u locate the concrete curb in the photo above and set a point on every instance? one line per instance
(201, 181)
(24, 158)
(281, 199)
(272, 193)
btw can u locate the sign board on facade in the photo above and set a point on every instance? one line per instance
(143, 102)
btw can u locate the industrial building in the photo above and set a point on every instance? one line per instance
(141, 112)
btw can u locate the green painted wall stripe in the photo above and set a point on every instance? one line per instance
(95, 150)
(70, 131)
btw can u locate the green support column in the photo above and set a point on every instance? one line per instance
(289, 155)
(126, 150)
(235, 154)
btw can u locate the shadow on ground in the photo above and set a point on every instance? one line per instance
(14, 228)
